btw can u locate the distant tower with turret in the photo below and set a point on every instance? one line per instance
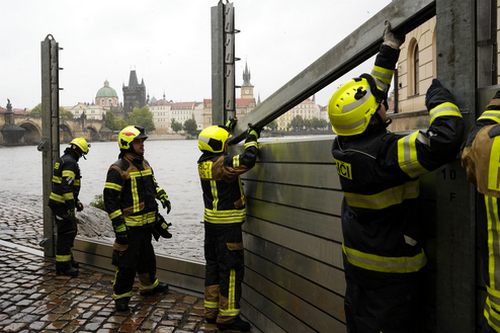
(134, 95)
(246, 87)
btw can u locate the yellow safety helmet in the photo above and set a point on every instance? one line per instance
(213, 139)
(355, 102)
(129, 134)
(82, 145)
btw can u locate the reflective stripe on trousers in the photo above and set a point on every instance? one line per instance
(385, 264)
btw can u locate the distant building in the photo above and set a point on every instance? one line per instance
(182, 111)
(198, 115)
(106, 96)
(134, 95)
(92, 111)
(106, 99)
(307, 109)
(161, 114)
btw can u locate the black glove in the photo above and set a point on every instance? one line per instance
(79, 206)
(494, 104)
(437, 94)
(253, 130)
(231, 124)
(160, 228)
(121, 231)
(71, 214)
(164, 201)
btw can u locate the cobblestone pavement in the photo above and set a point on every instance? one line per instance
(34, 299)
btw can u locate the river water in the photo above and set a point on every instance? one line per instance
(173, 162)
(175, 168)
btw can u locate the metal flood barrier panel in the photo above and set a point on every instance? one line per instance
(177, 272)
(294, 279)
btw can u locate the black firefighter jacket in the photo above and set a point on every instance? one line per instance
(223, 194)
(65, 182)
(379, 175)
(130, 192)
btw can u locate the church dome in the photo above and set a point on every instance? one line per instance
(106, 91)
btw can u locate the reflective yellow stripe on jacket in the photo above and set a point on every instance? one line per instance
(383, 74)
(140, 220)
(444, 109)
(57, 197)
(225, 216)
(391, 196)
(385, 264)
(407, 154)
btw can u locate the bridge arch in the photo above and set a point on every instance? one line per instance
(94, 133)
(65, 134)
(32, 134)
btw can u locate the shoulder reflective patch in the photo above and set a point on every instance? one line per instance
(491, 114)
(344, 169)
(205, 169)
(56, 166)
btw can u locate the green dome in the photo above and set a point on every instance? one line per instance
(106, 91)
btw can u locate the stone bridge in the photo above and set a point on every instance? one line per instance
(90, 129)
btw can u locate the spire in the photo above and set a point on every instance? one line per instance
(132, 81)
(246, 77)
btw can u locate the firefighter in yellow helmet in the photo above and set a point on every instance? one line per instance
(225, 212)
(64, 201)
(130, 195)
(379, 175)
(480, 158)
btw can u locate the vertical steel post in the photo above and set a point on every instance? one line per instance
(487, 66)
(218, 70)
(229, 62)
(455, 266)
(223, 63)
(50, 133)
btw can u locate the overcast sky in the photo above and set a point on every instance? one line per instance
(168, 43)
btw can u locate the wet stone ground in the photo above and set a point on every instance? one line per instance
(34, 299)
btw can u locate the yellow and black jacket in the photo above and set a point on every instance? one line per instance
(378, 172)
(65, 182)
(130, 192)
(222, 189)
(481, 160)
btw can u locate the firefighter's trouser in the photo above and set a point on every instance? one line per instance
(394, 306)
(138, 257)
(488, 227)
(66, 233)
(224, 271)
